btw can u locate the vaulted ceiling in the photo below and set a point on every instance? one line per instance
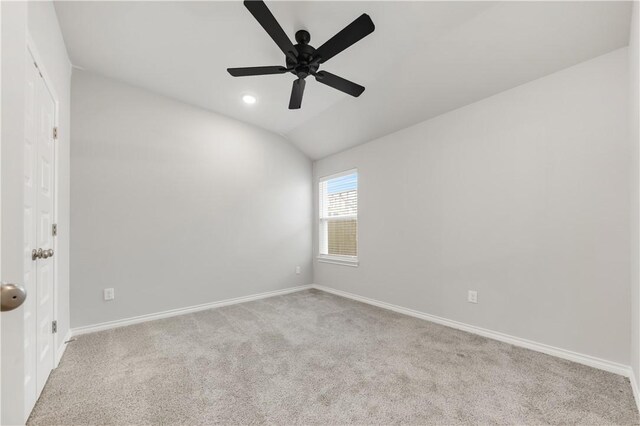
(424, 58)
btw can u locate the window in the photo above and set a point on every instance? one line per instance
(338, 224)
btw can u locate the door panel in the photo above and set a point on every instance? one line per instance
(44, 213)
(38, 218)
(30, 149)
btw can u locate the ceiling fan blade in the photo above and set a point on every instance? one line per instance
(263, 15)
(339, 83)
(244, 72)
(296, 94)
(351, 34)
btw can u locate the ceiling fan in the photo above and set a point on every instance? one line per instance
(302, 59)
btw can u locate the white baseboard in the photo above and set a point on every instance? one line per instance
(181, 311)
(599, 363)
(591, 361)
(634, 387)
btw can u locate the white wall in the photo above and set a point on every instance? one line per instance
(523, 196)
(174, 206)
(40, 21)
(634, 124)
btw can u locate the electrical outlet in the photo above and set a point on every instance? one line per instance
(472, 296)
(109, 294)
(298, 270)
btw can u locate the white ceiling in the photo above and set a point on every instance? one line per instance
(424, 58)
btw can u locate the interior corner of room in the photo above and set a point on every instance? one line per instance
(458, 243)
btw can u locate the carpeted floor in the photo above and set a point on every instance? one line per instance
(315, 358)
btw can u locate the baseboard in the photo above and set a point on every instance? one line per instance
(181, 311)
(62, 348)
(591, 361)
(634, 387)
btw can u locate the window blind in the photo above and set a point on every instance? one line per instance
(338, 224)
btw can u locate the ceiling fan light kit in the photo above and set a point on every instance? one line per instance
(303, 60)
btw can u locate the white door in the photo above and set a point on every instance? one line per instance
(30, 151)
(38, 221)
(44, 235)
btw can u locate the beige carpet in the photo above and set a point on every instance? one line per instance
(314, 358)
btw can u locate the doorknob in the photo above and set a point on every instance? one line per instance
(36, 254)
(41, 254)
(11, 296)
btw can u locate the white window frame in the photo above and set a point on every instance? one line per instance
(333, 258)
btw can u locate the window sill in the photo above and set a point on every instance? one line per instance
(338, 261)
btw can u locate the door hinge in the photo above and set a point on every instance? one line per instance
(54, 229)
(55, 133)
(54, 327)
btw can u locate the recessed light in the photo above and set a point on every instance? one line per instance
(249, 99)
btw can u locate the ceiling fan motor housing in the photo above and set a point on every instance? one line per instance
(306, 53)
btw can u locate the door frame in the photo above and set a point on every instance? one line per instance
(1, 199)
(32, 51)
